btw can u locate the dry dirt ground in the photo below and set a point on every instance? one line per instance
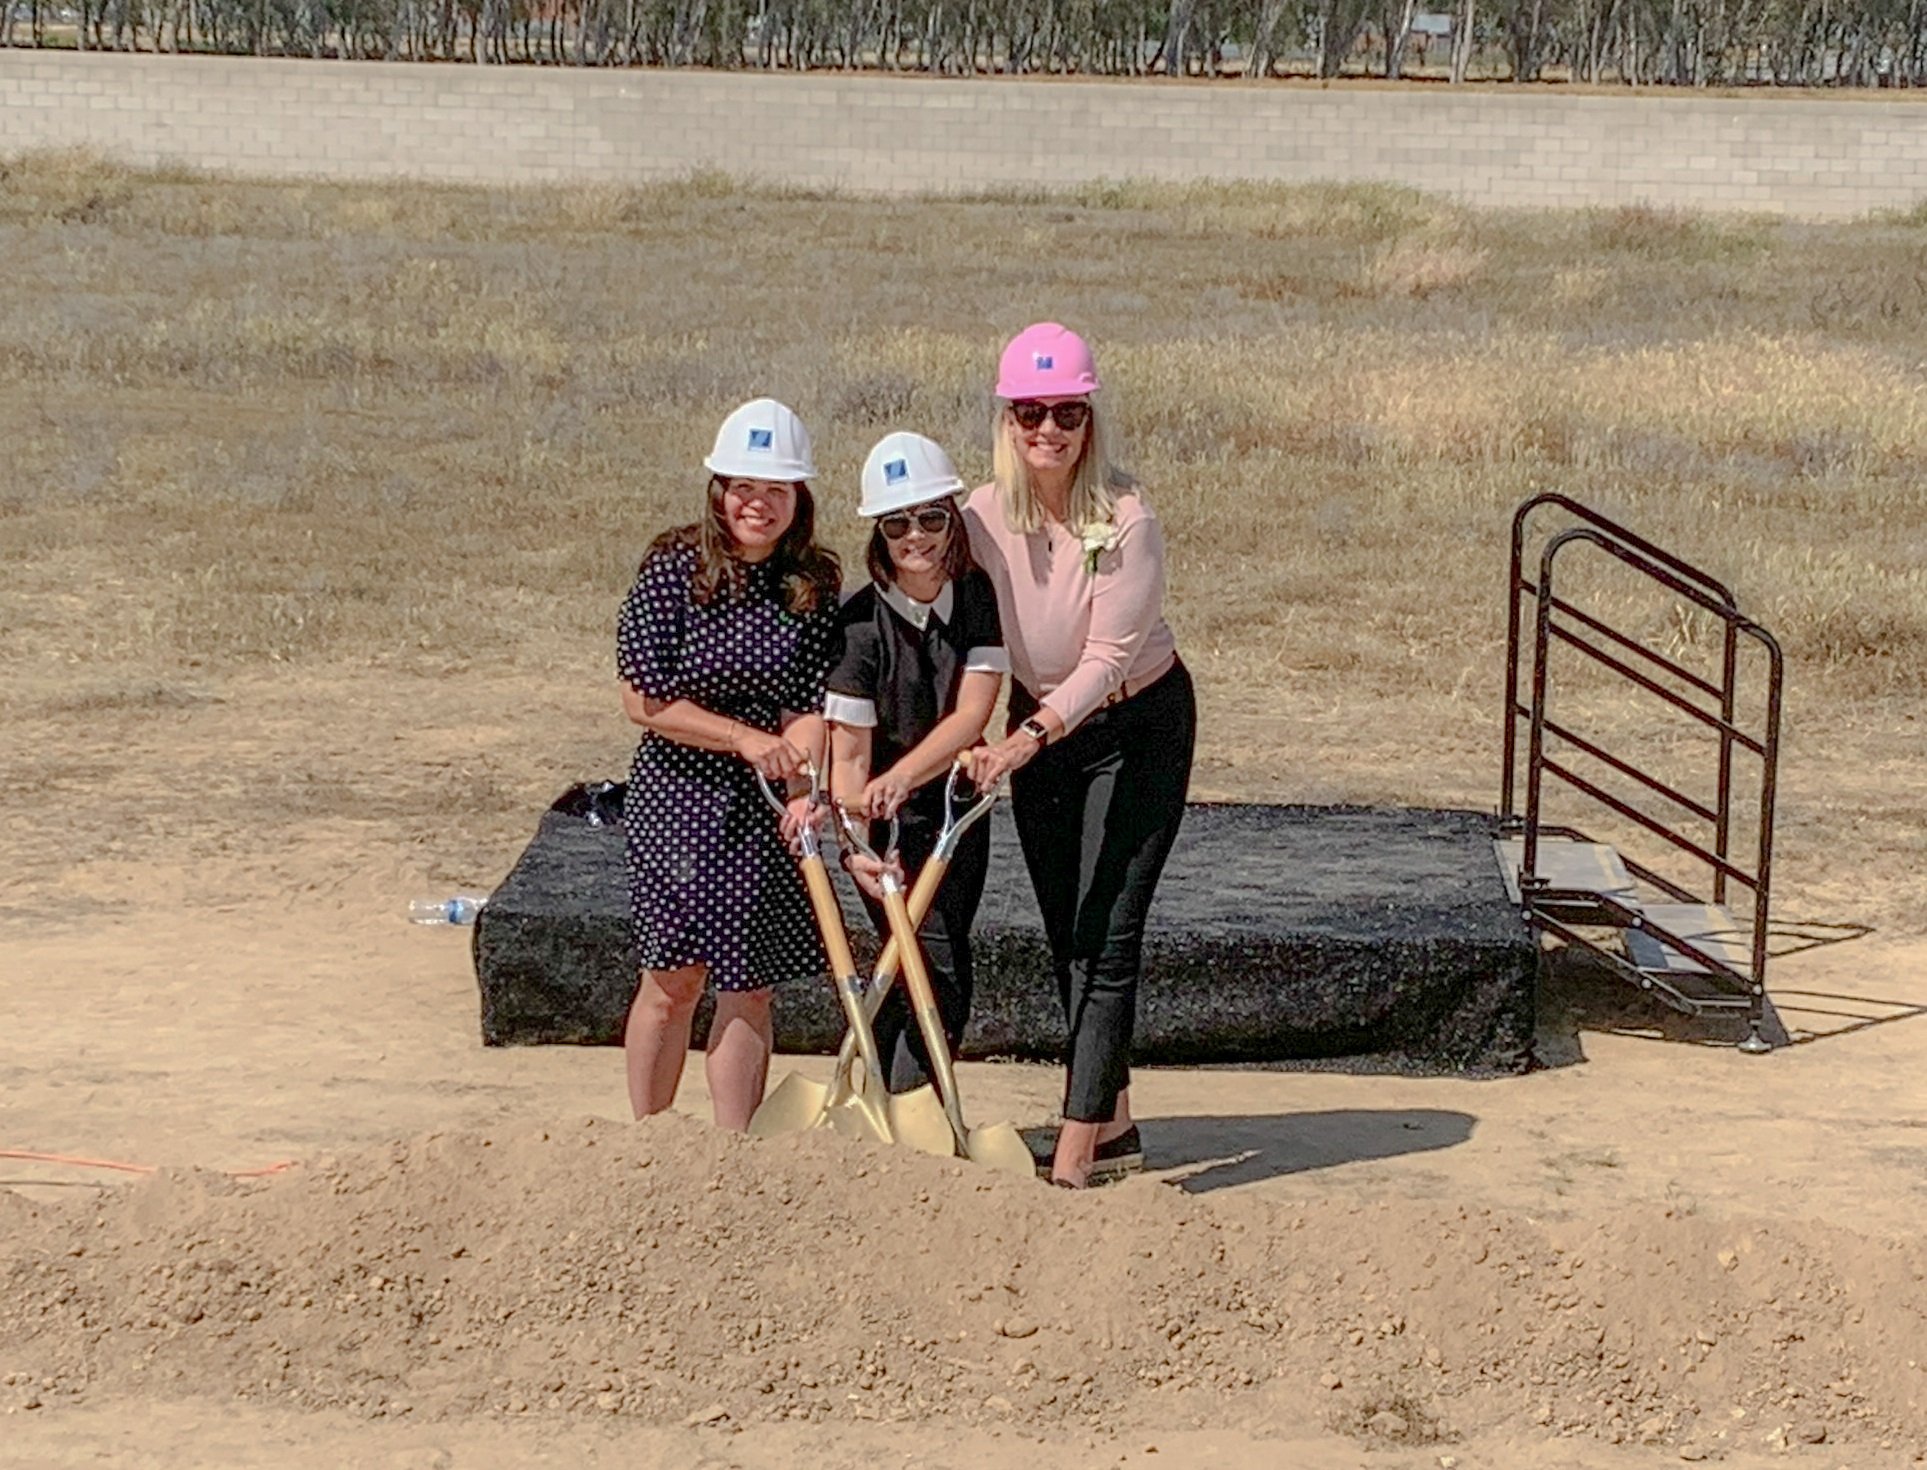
(315, 506)
(1657, 1249)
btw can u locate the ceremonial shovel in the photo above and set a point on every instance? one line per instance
(871, 1111)
(996, 1145)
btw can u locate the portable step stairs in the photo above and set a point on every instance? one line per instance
(1700, 953)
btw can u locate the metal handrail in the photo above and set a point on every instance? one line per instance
(1519, 585)
(1626, 671)
(1703, 591)
(1631, 645)
(1626, 768)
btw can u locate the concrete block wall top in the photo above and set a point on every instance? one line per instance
(878, 133)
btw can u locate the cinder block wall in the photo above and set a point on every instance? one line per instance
(1796, 155)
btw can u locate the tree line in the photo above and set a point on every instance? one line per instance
(1686, 43)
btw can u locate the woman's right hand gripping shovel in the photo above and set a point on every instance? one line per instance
(997, 1145)
(860, 1106)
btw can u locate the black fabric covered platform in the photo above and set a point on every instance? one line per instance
(1369, 938)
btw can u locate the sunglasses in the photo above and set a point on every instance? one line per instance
(932, 520)
(1071, 415)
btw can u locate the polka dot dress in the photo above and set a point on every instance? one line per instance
(710, 880)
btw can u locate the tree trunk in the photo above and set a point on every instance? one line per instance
(1259, 63)
(688, 27)
(1529, 64)
(1397, 35)
(1338, 32)
(1177, 36)
(1462, 42)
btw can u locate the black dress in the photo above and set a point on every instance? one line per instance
(901, 668)
(710, 880)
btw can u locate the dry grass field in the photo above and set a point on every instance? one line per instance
(316, 505)
(381, 455)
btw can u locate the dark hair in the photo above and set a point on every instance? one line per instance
(956, 552)
(810, 575)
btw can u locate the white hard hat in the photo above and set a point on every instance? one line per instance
(762, 440)
(905, 470)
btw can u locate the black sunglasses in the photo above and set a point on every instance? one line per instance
(931, 520)
(1071, 415)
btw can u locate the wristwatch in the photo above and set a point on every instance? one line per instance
(1034, 728)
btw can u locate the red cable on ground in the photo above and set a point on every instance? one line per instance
(39, 1158)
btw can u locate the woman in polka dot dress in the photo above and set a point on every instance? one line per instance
(722, 645)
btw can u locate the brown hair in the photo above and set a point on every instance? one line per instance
(956, 552)
(810, 575)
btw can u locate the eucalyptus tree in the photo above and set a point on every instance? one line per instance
(1395, 22)
(1331, 30)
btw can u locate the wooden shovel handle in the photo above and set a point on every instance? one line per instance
(921, 897)
(829, 918)
(923, 1000)
(836, 943)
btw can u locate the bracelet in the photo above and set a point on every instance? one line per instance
(729, 736)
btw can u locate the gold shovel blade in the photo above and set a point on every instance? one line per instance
(915, 1123)
(794, 1105)
(920, 1121)
(1000, 1146)
(915, 1119)
(798, 1105)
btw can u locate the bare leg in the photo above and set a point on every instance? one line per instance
(1077, 1142)
(656, 1039)
(1076, 1149)
(738, 1062)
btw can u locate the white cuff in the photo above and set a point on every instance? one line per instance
(846, 709)
(993, 660)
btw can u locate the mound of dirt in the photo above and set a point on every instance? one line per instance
(678, 1274)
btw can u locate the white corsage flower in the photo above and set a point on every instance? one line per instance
(1097, 538)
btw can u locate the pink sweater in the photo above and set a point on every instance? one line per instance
(1076, 639)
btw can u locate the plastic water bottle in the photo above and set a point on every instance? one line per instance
(461, 909)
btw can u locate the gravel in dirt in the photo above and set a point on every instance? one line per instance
(681, 1276)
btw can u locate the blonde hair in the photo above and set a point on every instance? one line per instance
(1095, 484)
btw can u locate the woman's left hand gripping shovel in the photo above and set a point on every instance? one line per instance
(869, 1111)
(997, 1145)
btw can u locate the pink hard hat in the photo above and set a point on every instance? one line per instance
(1046, 361)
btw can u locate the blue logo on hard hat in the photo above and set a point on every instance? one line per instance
(762, 439)
(1045, 362)
(896, 471)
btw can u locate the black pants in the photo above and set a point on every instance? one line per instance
(945, 937)
(1097, 813)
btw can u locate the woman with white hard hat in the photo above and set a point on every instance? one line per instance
(722, 647)
(1102, 714)
(923, 660)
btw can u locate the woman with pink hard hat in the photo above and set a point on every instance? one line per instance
(1102, 715)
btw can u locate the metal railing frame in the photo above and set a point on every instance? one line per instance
(1712, 596)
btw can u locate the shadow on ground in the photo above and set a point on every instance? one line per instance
(1579, 992)
(1205, 1153)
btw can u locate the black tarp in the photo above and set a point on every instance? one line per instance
(1369, 938)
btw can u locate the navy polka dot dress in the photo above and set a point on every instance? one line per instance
(710, 879)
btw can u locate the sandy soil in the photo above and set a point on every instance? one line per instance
(1654, 1250)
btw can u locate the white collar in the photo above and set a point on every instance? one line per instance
(917, 614)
